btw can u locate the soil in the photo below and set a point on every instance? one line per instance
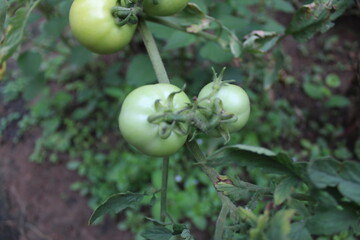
(37, 203)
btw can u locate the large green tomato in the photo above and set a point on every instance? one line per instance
(94, 26)
(164, 7)
(234, 101)
(134, 124)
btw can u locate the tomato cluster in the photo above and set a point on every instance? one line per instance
(143, 103)
(95, 25)
(157, 119)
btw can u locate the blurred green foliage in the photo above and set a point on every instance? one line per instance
(74, 97)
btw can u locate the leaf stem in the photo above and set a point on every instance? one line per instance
(227, 204)
(153, 52)
(205, 35)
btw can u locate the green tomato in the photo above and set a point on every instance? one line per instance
(234, 101)
(164, 7)
(94, 26)
(138, 131)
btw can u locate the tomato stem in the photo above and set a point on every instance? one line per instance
(203, 34)
(153, 52)
(164, 185)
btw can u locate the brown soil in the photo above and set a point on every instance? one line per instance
(36, 202)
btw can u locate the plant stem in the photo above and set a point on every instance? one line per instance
(164, 185)
(162, 77)
(153, 52)
(220, 222)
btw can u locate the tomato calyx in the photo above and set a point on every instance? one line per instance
(214, 111)
(168, 119)
(126, 13)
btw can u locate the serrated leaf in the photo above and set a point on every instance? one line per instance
(116, 203)
(327, 172)
(157, 233)
(316, 17)
(235, 193)
(254, 149)
(15, 30)
(331, 221)
(284, 189)
(256, 157)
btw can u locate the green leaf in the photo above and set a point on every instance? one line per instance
(114, 92)
(79, 56)
(331, 221)
(235, 193)
(16, 25)
(256, 157)
(314, 91)
(337, 101)
(3, 8)
(273, 74)
(215, 53)
(179, 39)
(327, 172)
(280, 225)
(35, 85)
(284, 189)
(54, 27)
(140, 71)
(157, 233)
(299, 232)
(333, 80)
(316, 17)
(29, 62)
(283, 6)
(83, 112)
(116, 203)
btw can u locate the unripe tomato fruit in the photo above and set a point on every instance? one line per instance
(164, 7)
(94, 27)
(138, 131)
(234, 101)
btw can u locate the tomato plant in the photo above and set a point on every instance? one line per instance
(94, 26)
(146, 101)
(234, 100)
(163, 7)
